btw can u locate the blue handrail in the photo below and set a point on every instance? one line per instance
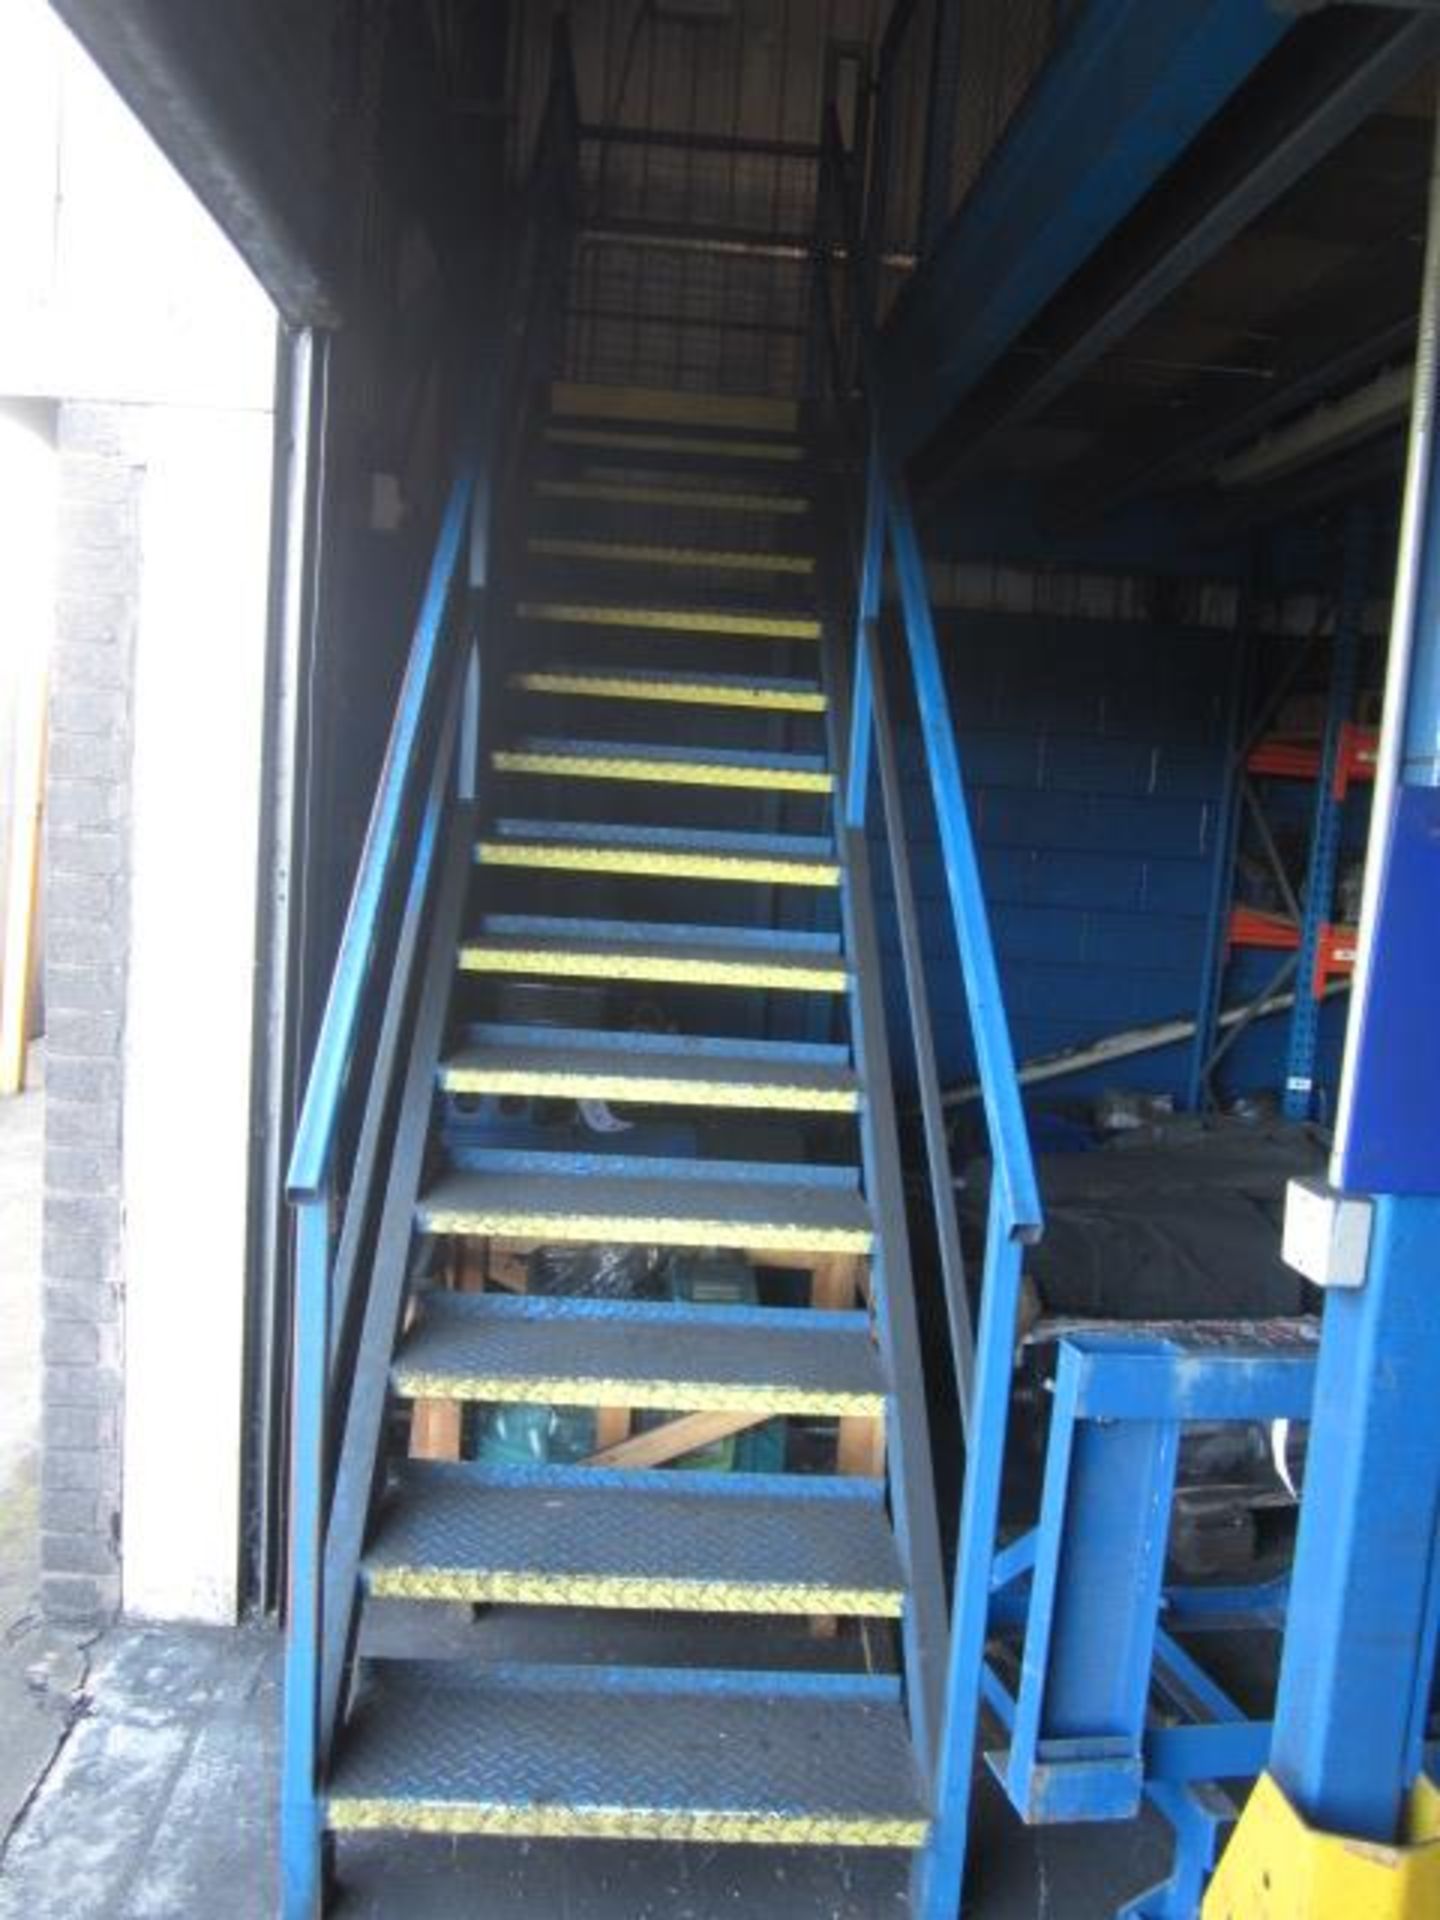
(1015, 1216)
(314, 1145)
(464, 535)
(890, 527)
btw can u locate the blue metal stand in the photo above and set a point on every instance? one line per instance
(1085, 1590)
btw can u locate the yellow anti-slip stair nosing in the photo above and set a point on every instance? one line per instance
(638, 494)
(693, 693)
(671, 406)
(658, 966)
(602, 1390)
(647, 864)
(675, 773)
(662, 1230)
(720, 559)
(762, 626)
(539, 1821)
(781, 450)
(657, 1593)
(562, 1083)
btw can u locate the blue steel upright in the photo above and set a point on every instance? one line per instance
(1325, 832)
(1359, 1655)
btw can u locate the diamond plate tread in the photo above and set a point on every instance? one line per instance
(648, 1212)
(431, 1752)
(661, 853)
(676, 766)
(680, 689)
(682, 1073)
(671, 619)
(673, 1542)
(705, 499)
(671, 933)
(653, 951)
(643, 554)
(685, 1359)
(673, 406)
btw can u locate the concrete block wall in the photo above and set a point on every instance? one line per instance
(87, 871)
(1093, 752)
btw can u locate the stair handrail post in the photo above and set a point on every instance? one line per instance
(888, 499)
(1015, 1217)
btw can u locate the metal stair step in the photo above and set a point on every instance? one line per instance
(672, 406)
(636, 493)
(676, 955)
(675, 1541)
(646, 852)
(724, 622)
(628, 1754)
(616, 440)
(673, 766)
(660, 1069)
(681, 689)
(527, 1349)
(643, 554)
(666, 1209)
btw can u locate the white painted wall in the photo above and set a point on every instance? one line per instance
(196, 798)
(115, 286)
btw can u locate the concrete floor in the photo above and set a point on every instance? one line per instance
(161, 1805)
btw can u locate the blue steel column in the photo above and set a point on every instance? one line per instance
(1328, 820)
(1222, 875)
(1360, 1645)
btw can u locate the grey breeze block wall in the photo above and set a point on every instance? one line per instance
(87, 868)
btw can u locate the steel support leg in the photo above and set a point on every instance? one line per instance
(1359, 1651)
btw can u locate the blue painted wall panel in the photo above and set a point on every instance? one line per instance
(1093, 755)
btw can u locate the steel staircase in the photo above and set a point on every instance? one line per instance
(680, 842)
(600, 1124)
(611, 1506)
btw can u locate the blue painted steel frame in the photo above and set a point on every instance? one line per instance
(1122, 96)
(1358, 1666)
(1085, 1587)
(1359, 1654)
(1075, 1750)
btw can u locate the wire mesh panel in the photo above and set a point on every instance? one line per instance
(699, 176)
(699, 179)
(671, 316)
(1001, 49)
